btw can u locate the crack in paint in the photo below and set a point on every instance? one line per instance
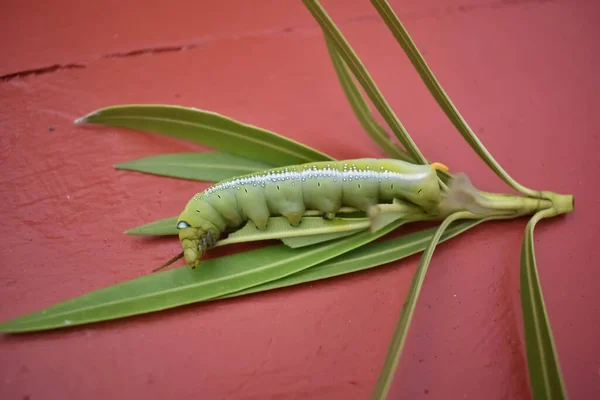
(151, 50)
(41, 71)
(269, 32)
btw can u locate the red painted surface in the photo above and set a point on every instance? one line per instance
(523, 73)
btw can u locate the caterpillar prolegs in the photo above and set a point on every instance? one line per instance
(290, 191)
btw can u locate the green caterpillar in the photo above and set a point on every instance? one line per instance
(290, 191)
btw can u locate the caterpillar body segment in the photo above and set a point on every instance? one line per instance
(290, 191)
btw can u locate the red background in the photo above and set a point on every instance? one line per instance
(523, 73)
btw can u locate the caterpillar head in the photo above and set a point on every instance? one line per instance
(196, 236)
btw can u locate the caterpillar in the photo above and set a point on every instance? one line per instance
(289, 191)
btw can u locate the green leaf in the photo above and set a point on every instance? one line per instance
(210, 166)
(160, 227)
(167, 226)
(279, 227)
(209, 129)
(545, 376)
(302, 241)
(401, 332)
(363, 113)
(364, 78)
(418, 61)
(302, 234)
(214, 278)
(361, 108)
(368, 256)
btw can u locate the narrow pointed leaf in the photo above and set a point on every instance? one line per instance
(418, 61)
(368, 256)
(302, 241)
(209, 129)
(364, 78)
(207, 166)
(214, 278)
(161, 227)
(363, 113)
(401, 332)
(166, 226)
(545, 376)
(279, 227)
(361, 108)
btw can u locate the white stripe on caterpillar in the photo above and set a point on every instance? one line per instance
(286, 175)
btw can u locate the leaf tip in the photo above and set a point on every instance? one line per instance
(86, 119)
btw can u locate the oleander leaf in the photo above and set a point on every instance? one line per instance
(161, 227)
(279, 228)
(401, 331)
(361, 108)
(209, 129)
(167, 226)
(545, 376)
(302, 241)
(368, 256)
(214, 278)
(364, 78)
(401, 34)
(201, 166)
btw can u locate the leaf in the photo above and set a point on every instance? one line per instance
(215, 277)
(302, 241)
(364, 115)
(160, 227)
(401, 332)
(361, 108)
(363, 77)
(210, 166)
(545, 376)
(209, 129)
(167, 226)
(365, 257)
(279, 227)
(418, 61)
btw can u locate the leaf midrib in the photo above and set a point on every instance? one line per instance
(181, 288)
(205, 126)
(182, 164)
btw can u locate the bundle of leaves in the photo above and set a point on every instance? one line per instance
(318, 248)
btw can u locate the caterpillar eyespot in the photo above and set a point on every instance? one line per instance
(291, 191)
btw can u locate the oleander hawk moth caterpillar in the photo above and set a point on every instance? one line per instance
(290, 191)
